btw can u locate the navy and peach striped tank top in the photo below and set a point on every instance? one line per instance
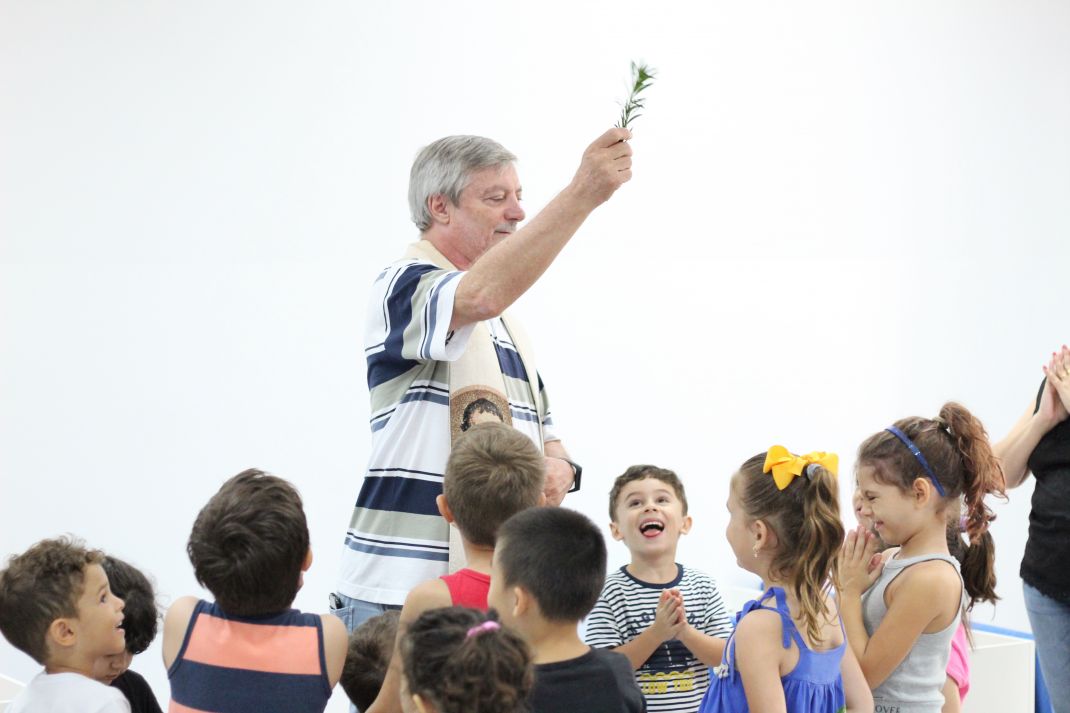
(261, 664)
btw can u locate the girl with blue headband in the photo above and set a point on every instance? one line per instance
(901, 611)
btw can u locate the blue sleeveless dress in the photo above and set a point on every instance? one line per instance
(813, 686)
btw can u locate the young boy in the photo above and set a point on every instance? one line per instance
(248, 650)
(548, 568)
(140, 622)
(493, 472)
(370, 647)
(666, 618)
(56, 606)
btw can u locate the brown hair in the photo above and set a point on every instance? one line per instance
(249, 543)
(642, 472)
(806, 519)
(370, 647)
(459, 670)
(39, 586)
(957, 449)
(493, 472)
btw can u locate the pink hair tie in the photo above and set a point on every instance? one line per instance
(483, 628)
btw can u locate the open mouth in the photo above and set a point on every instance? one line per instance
(651, 528)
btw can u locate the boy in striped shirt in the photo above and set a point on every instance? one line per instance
(669, 620)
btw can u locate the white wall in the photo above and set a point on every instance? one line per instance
(842, 213)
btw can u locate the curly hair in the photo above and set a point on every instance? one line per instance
(459, 666)
(140, 616)
(39, 586)
(958, 451)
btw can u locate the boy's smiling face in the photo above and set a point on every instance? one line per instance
(649, 517)
(100, 615)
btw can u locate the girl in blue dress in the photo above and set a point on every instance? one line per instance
(788, 653)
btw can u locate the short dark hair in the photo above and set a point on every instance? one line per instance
(39, 586)
(249, 543)
(140, 615)
(370, 647)
(558, 556)
(642, 472)
(459, 663)
(493, 472)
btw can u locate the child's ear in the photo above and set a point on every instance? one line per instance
(686, 527)
(421, 705)
(307, 564)
(444, 508)
(764, 536)
(615, 532)
(922, 491)
(62, 633)
(522, 602)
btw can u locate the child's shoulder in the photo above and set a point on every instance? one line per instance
(427, 595)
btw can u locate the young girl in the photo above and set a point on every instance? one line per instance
(458, 660)
(901, 628)
(788, 651)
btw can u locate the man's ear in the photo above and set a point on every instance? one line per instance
(438, 206)
(62, 632)
(542, 500)
(444, 508)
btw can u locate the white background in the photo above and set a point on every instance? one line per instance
(842, 213)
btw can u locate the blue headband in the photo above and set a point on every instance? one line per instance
(917, 454)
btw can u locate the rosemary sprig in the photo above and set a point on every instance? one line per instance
(642, 77)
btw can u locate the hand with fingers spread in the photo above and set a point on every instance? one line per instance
(1058, 375)
(860, 563)
(606, 165)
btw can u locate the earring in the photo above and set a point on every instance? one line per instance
(755, 551)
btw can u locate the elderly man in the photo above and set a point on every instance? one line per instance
(442, 355)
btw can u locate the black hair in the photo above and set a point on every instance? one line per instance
(558, 556)
(140, 615)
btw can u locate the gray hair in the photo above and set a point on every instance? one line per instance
(444, 167)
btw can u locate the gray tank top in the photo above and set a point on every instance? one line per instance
(915, 686)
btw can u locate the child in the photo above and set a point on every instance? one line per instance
(249, 651)
(370, 647)
(957, 683)
(788, 651)
(56, 606)
(664, 617)
(459, 660)
(549, 566)
(901, 628)
(493, 472)
(140, 622)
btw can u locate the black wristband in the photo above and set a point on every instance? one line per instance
(577, 471)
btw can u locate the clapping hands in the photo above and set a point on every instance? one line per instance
(1055, 401)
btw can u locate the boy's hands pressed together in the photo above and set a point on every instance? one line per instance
(669, 616)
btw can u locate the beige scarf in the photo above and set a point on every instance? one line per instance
(477, 387)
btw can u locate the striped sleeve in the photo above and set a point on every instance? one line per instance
(411, 310)
(605, 622)
(548, 432)
(716, 621)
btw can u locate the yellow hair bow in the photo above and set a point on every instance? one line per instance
(786, 466)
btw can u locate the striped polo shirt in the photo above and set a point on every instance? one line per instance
(672, 679)
(260, 664)
(396, 537)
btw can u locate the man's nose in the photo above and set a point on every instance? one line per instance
(514, 211)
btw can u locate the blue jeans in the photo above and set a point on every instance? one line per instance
(354, 612)
(1050, 620)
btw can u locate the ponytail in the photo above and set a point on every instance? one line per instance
(805, 514)
(981, 476)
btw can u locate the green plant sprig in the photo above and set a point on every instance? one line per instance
(642, 77)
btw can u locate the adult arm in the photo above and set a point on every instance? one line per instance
(559, 473)
(1013, 450)
(509, 268)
